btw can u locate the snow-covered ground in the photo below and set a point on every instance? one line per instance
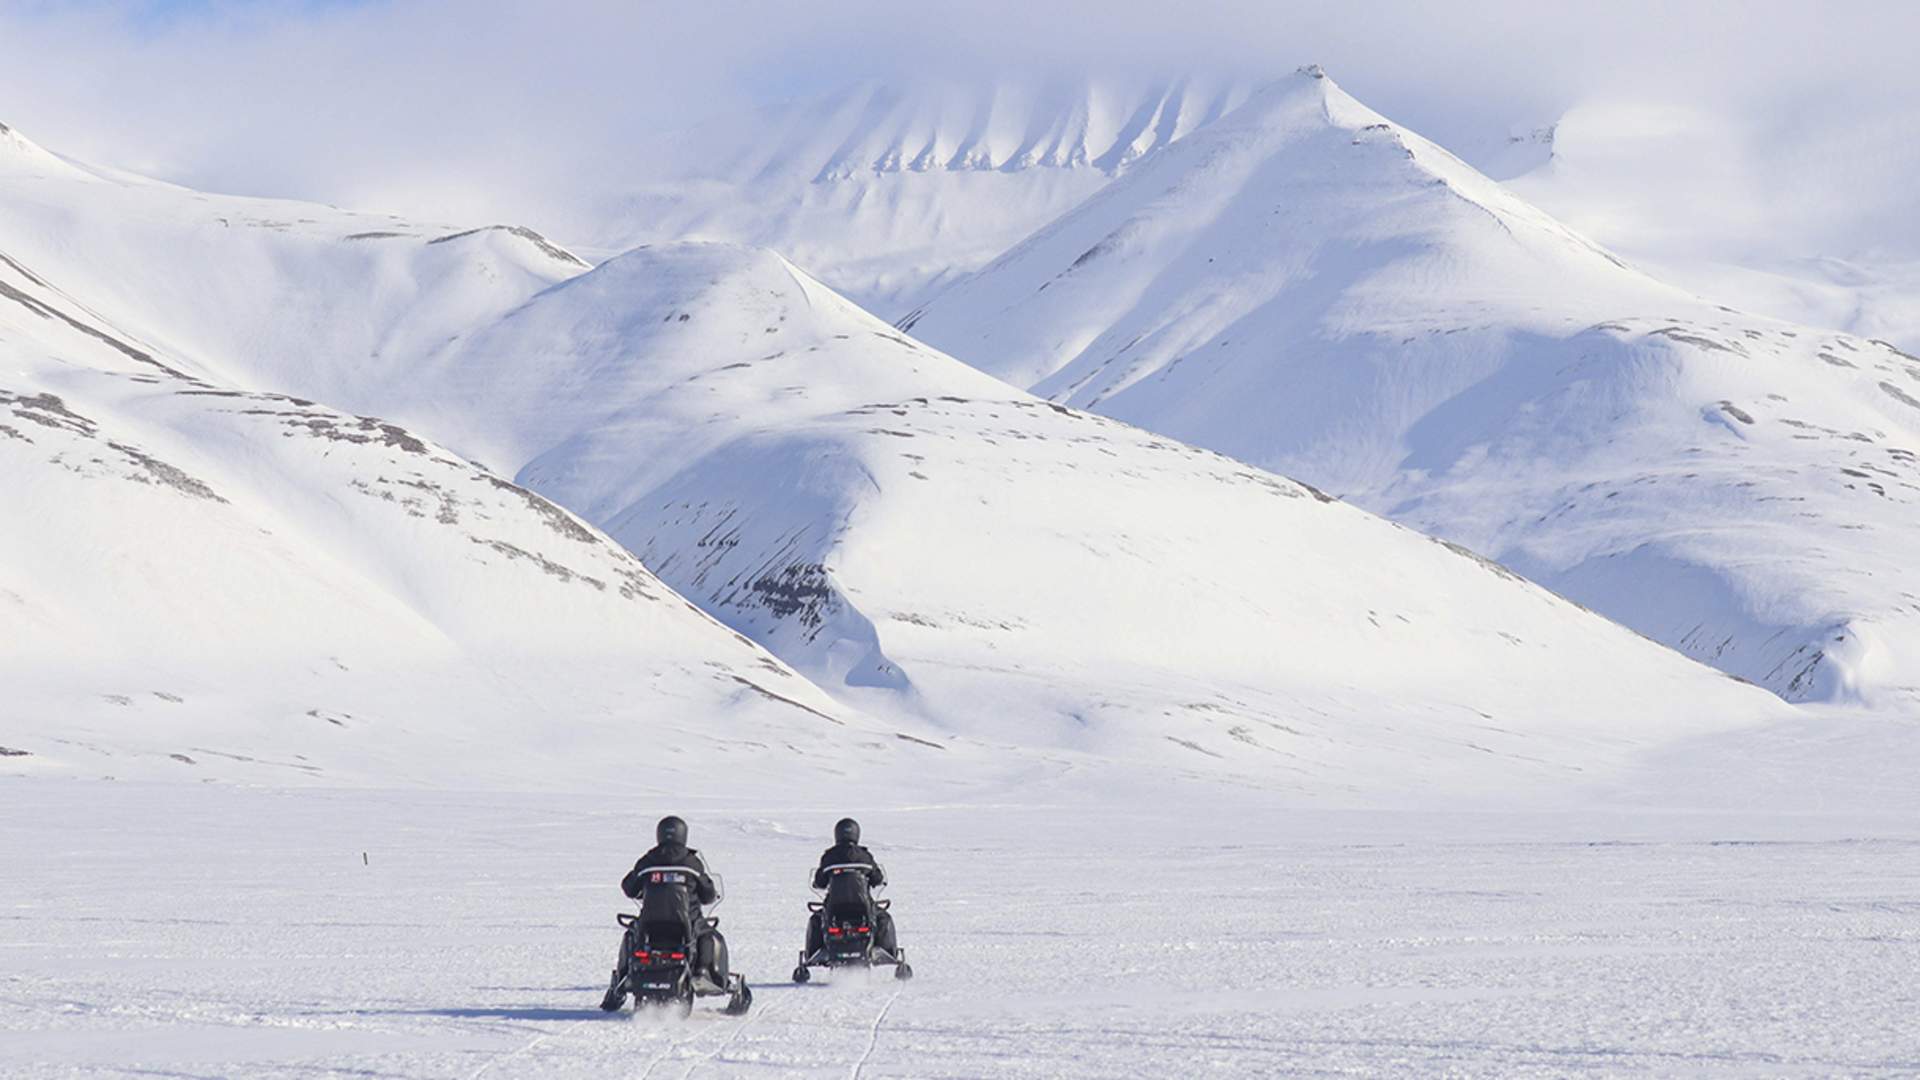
(1099, 925)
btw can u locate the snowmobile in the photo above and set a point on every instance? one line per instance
(668, 957)
(848, 916)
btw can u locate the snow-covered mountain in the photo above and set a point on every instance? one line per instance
(939, 549)
(884, 191)
(201, 579)
(262, 293)
(925, 539)
(1308, 287)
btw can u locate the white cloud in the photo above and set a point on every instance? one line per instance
(498, 108)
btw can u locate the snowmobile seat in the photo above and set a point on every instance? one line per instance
(848, 895)
(666, 896)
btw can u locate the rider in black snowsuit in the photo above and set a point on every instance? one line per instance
(670, 849)
(846, 850)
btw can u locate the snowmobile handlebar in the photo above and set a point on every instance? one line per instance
(630, 918)
(821, 905)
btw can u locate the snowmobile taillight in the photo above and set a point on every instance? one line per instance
(676, 956)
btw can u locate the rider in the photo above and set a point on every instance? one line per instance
(670, 849)
(847, 850)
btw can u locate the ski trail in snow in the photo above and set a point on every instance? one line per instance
(672, 1049)
(524, 1049)
(873, 1037)
(752, 1018)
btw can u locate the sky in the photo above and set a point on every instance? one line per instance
(492, 109)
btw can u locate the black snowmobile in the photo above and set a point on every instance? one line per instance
(846, 918)
(668, 957)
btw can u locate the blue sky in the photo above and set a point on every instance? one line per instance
(166, 12)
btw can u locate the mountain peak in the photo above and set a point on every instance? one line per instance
(1301, 169)
(19, 154)
(13, 141)
(691, 269)
(1306, 99)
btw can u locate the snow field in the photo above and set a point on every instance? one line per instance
(213, 931)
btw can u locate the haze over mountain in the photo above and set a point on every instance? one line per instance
(1767, 155)
(885, 190)
(1814, 223)
(1310, 288)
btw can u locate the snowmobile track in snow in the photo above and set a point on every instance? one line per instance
(525, 1048)
(753, 1017)
(873, 1037)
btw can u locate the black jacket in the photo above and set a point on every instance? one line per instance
(849, 853)
(705, 891)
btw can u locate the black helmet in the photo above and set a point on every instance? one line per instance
(671, 832)
(846, 831)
